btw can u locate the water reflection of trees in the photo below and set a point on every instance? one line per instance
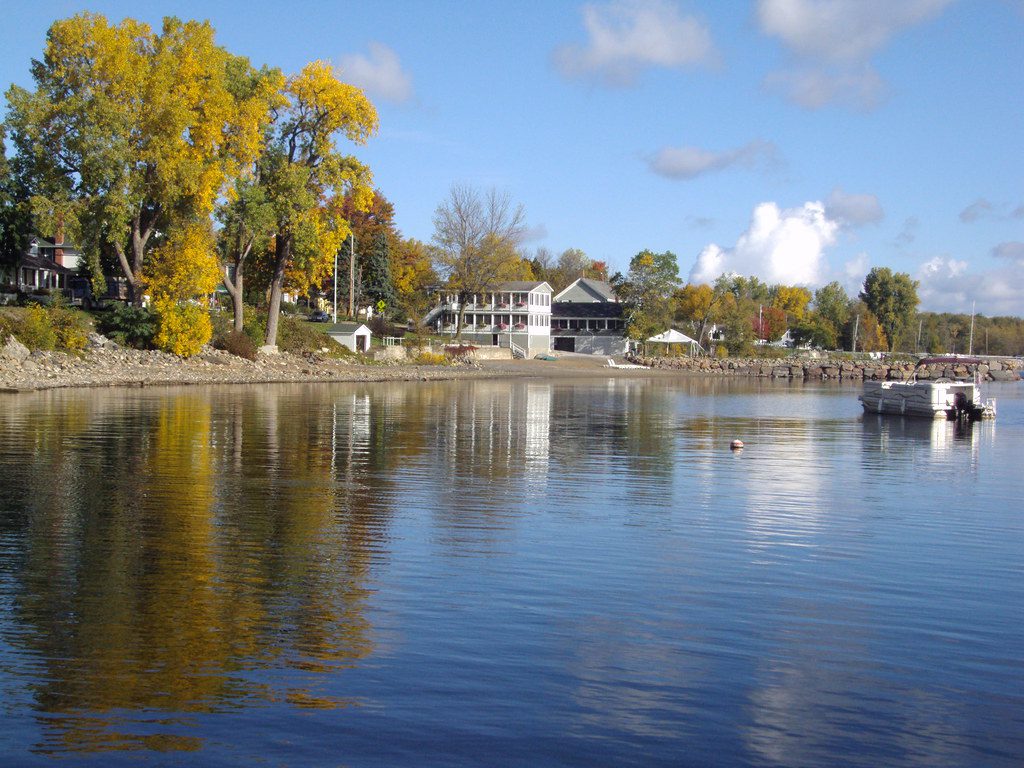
(165, 547)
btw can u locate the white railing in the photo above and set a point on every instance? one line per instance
(517, 351)
(392, 341)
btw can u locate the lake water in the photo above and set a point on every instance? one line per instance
(509, 572)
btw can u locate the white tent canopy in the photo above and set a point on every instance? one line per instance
(672, 336)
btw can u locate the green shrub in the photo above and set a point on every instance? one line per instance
(129, 326)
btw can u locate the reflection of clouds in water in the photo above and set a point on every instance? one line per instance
(810, 708)
(785, 488)
(630, 678)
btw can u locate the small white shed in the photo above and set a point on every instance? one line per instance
(355, 336)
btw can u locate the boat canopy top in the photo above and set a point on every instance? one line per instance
(950, 359)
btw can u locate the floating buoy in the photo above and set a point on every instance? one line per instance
(736, 445)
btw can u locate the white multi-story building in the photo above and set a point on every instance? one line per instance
(513, 315)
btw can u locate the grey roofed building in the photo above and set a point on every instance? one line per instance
(586, 317)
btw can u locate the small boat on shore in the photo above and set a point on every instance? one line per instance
(931, 399)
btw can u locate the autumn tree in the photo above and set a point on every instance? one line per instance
(475, 242)
(770, 323)
(411, 272)
(697, 306)
(183, 269)
(307, 178)
(130, 132)
(863, 332)
(892, 299)
(792, 300)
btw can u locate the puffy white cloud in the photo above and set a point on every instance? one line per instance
(853, 209)
(380, 74)
(626, 36)
(854, 272)
(949, 285)
(780, 246)
(691, 162)
(842, 30)
(834, 40)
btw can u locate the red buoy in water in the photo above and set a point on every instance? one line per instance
(736, 445)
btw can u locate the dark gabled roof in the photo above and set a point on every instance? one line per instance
(38, 262)
(589, 310)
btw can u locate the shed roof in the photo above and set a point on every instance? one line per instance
(349, 327)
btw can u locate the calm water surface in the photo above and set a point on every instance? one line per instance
(515, 573)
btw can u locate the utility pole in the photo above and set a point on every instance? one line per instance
(351, 276)
(334, 306)
(917, 347)
(856, 325)
(970, 344)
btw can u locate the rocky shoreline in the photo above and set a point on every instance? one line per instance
(105, 364)
(1005, 369)
(109, 365)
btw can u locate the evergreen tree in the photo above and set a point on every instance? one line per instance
(377, 283)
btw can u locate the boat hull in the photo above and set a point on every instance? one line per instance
(926, 399)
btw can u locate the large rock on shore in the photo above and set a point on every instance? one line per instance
(13, 350)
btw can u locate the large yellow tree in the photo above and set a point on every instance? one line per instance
(306, 178)
(130, 132)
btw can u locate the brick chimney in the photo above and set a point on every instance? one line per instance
(58, 241)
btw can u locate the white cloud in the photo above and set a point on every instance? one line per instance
(626, 36)
(854, 210)
(691, 162)
(834, 40)
(854, 272)
(780, 246)
(842, 30)
(949, 285)
(380, 74)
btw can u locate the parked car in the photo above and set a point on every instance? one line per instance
(319, 316)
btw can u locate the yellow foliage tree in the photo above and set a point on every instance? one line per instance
(129, 131)
(791, 299)
(183, 270)
(307, 178)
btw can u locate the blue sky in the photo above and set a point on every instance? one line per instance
(797, 140)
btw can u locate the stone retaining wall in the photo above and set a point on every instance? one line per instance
(826, 368)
